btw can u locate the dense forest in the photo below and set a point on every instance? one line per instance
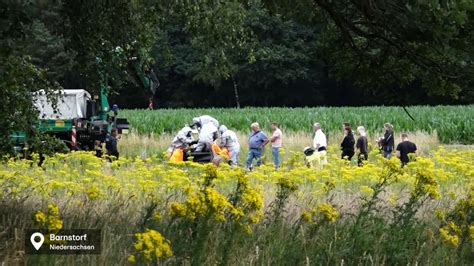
(244, 53)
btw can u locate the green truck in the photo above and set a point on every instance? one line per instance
(81, 119)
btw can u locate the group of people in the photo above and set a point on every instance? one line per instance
(257, 142)
(350, 147)
(209, 130)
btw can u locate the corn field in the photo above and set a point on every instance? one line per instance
(453, 124)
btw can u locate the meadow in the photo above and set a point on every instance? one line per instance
(154, 212)
(452, 124)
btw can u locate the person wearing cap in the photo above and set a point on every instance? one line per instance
(257, 141)
(181, 139)
(230, 141)
(200, 121)
(320, 142)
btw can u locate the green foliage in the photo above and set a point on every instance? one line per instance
(46, 47)
(46, 145)
(20, 78)
(42, 42)
(106, 35)
(240, 50)
(450, 122)
(220, 38)
(221, 53)
(398, 43)
(285, 52)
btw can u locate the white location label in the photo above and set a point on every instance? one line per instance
(37, 244)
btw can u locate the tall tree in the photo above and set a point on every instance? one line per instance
(20, 79)
(284, 55)
(106, 35)
(393, 44)
(220, 37)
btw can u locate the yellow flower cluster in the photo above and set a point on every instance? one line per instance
(200, 203)
(450, 234)
(205, 201)
(324, 212)
(424, 174)
(152, 245)
(459, 223)
(249, 204)
(191, 191)
(51, 220)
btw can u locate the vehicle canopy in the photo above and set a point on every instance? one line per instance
(71, 104)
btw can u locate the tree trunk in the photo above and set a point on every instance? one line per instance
(236, 93)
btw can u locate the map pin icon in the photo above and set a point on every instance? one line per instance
(37, 244)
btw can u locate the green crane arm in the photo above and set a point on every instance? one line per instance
(148, 79)
(104, 106)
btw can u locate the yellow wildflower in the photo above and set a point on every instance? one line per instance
(328, 211)
(152, 245)
(452, 240)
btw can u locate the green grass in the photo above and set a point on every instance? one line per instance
(453, 124)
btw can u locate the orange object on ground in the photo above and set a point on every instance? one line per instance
(177, 156)
(222, 152)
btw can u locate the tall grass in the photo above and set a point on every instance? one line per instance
(378, 214)
(133, 144)
(453, 124)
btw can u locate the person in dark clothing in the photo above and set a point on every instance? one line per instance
(98, 148)
(387, 143)
(404, 148)
(362, 146)
(111, 143)
(347, 145)
(345, 124)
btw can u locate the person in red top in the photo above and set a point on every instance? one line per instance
(150, 104)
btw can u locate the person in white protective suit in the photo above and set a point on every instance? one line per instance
(200, 121)
(181, 139)
(207, 135)
(230, 141)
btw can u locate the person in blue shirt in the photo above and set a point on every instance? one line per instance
(257, 141)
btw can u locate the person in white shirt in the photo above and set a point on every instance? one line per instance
(182, 138)
(207, 135)
(230, 141)
(320, 142)
(200, 121)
